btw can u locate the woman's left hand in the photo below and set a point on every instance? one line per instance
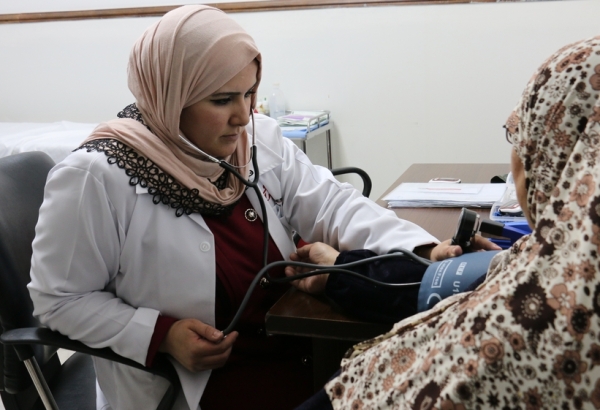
(446, 250)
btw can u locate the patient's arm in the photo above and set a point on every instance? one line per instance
(371, 302)
(322, 254)
(357, 296)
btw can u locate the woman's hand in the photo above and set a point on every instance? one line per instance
(197, 346)
(317, 253)
(446, 250)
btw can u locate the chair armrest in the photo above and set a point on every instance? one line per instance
(21, 339)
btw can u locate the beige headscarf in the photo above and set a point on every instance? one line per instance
(529, 336)
(185, 57)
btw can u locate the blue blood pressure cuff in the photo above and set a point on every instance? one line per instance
(452, 276)
(384, 304)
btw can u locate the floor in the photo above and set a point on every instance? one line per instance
(62, 354)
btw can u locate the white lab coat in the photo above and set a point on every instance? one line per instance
(107, 260)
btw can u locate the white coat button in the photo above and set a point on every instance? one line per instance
(205, 247)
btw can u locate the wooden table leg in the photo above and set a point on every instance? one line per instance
(327, 355)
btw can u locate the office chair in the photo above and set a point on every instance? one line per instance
(366, 191)
(366, 180)
(31, 375)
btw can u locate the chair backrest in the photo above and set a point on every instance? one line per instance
(22, 180)
(366, 180)
(366, 191)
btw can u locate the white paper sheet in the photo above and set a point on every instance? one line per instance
(416, 195)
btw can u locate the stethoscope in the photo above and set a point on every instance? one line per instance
(250, 184)
(262, 276)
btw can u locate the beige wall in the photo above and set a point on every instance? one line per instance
(405, 84)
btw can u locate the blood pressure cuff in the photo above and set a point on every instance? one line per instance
(371, 302)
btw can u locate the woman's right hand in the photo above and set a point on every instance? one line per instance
(197, 346)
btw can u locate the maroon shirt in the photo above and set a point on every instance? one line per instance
(263, 372)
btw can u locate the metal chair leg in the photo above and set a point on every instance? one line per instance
(40, 384)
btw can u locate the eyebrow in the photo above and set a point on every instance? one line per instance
(225, 94)
(230, 94)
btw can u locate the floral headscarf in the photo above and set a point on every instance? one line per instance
(529, 336)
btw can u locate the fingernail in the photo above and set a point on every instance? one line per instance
(217, 333)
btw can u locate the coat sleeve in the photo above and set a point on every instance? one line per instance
(320, 208)
(76, 262)
(372, 302)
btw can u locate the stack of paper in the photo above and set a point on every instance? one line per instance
(413, 195)
(297, 123)
(304, 118)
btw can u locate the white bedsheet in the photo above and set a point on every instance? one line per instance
(57, 139)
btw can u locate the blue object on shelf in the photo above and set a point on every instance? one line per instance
(512, 231)
(300, 132)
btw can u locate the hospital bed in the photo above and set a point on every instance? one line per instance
(57, 139)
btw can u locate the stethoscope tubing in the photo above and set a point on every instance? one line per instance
(318, 269)
(322, 269)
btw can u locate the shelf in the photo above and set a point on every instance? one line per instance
(307, 125)
(306, 135)
(318, 124)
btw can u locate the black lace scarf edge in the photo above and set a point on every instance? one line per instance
(163, 188)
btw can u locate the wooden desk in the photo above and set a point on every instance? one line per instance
(442, 223)
(300, 314)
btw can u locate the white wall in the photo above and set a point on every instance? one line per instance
(405, 84)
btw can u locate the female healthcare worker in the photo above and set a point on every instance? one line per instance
(144, 245)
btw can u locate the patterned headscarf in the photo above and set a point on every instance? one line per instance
(529, 336)
(186, 56)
